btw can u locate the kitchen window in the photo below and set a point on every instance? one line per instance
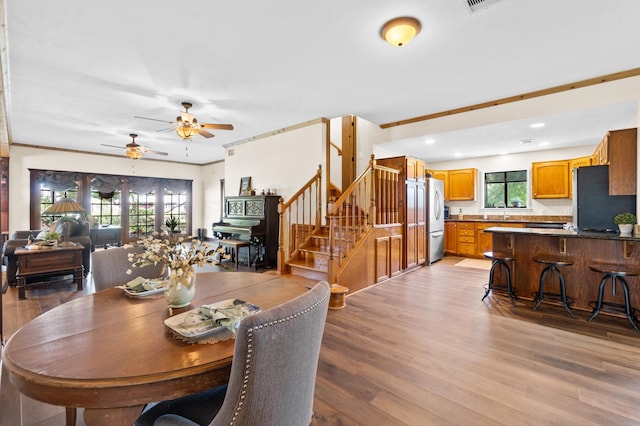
(505, 189)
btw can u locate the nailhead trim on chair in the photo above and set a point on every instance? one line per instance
(247, 368)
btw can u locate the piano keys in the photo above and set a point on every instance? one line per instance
(254, 219)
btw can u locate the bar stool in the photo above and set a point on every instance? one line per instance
(616, 273)
(500, 262)
(552, 269)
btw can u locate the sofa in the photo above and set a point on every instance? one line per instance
(79, 233)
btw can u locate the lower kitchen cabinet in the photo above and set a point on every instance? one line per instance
(468, 239)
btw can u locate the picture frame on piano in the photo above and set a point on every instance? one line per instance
(245, 186)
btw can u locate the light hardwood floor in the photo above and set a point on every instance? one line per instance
(422, 349)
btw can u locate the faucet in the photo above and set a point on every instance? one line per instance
(504, 206)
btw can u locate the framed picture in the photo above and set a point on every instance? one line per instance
(245, 186)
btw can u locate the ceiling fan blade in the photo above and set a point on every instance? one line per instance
(153, 151)
(112, 146)
(154, 119)
(217, 126)
(205, 134)
(170, 129)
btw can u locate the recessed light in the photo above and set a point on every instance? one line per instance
(543, 144)
(536, 125)
(457, 154)
(429, 141)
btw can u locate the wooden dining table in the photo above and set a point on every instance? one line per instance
(112, 354)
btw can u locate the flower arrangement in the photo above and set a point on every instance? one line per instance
(179, 254)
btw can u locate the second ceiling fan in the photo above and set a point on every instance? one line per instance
(187, 126)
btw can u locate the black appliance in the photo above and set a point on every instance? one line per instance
(593, 207)
(446, 212)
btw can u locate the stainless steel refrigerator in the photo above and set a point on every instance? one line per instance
(435, 219)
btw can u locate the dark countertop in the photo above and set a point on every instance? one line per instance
(531, 223)
(562, 233)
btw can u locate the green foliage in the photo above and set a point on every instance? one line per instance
(52, 235)
(625, 218)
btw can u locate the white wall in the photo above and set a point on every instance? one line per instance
(283, 162)
(546, 207)
(211, 203)
(23, 158)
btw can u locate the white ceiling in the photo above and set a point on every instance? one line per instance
(77, 72)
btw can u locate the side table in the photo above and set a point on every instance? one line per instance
(48, 262)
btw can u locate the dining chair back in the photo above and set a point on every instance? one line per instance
(273, 372)
(110, 266)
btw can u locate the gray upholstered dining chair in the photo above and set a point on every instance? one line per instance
(109, 267)
(273, 372)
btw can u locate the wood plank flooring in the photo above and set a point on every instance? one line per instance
(422, 349)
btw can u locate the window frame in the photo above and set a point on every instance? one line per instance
(508, 204)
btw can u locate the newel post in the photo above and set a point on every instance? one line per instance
(280, 258)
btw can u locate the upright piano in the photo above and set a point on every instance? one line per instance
(252, 218)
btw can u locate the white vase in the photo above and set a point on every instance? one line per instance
(181, 287)
(625, 228)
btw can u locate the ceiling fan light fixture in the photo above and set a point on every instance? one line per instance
(186, 131)
(400, 31)
(133, 152)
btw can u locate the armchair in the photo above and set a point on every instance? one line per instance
(281, 346)
(110, 267)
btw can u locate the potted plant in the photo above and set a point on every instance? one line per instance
(171, 223)
(625, 222)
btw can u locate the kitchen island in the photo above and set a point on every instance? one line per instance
(585, 248)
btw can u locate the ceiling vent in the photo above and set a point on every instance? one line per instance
(474, 6)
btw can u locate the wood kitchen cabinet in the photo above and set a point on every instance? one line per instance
(550, 179)
(574, 164)
(462, 184)
(451, 238)
(466, 238)
(459, 185)
(412, 207)
(621, 146)
(442, 175)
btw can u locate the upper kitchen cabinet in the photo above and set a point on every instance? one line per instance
(415, 169)
(621, 150)
(574, 164)
(462, 185)
(459, 185)
(550, 179)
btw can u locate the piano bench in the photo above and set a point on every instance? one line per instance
(235, 246)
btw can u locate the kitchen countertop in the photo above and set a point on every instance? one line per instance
(562, 233)
(528, 222)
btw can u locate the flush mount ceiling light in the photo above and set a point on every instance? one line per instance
(400, 31)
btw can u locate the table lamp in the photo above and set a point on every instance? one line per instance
(64, 206)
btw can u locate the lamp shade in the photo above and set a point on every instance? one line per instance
(64, 205)
(400, 31)
(185, 131)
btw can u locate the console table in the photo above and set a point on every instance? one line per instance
(48, 262)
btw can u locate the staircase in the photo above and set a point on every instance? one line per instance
(312, 258)
(320, 251)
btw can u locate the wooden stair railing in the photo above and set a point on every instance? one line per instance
(370, 200)
(300, 217)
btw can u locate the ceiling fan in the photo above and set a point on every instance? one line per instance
(135, 151)
(187, 126)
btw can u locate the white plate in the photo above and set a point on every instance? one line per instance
(143, 294)
(191, 324)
